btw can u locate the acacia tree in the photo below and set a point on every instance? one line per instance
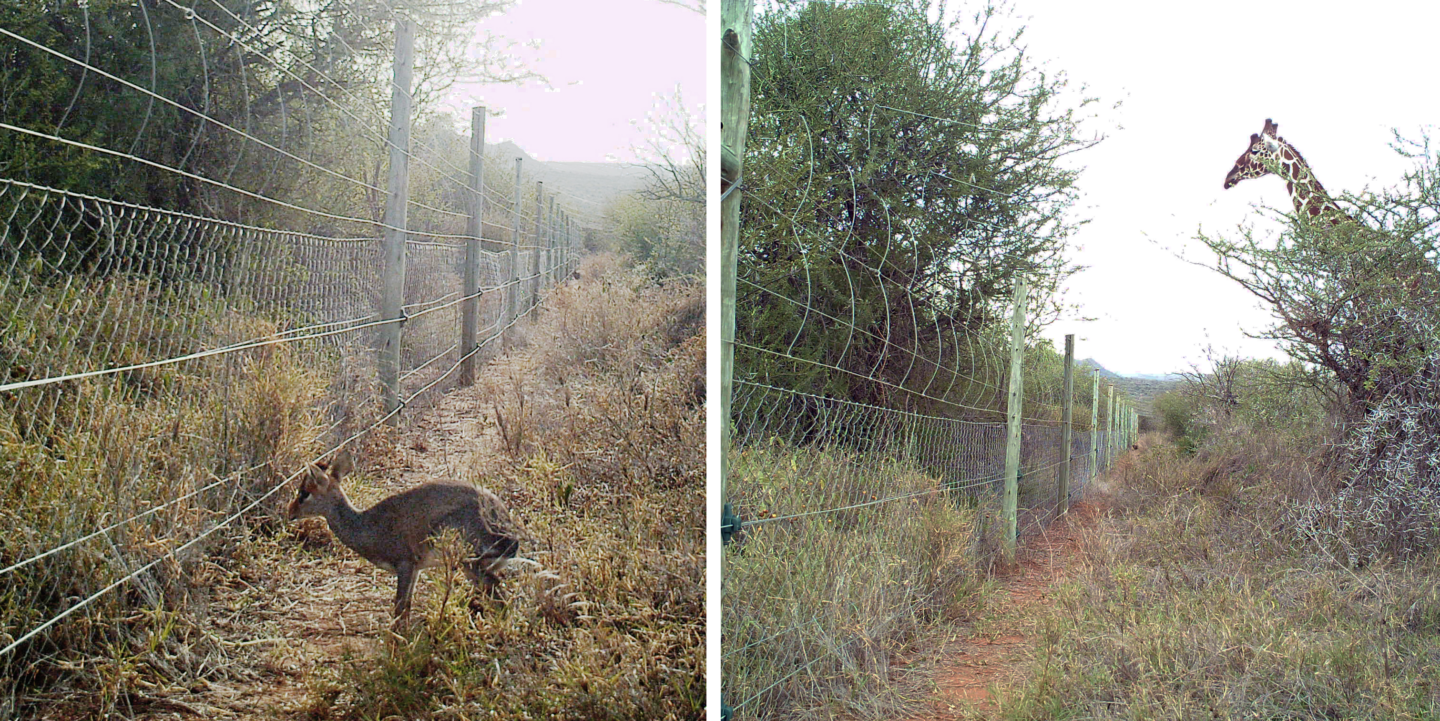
(674, 152)
(1358, 304)
(1218, 388)
(1349, 298)
(901, 174)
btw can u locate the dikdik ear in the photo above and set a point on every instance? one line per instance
(342, 465)
(316, 478)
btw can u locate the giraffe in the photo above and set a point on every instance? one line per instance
(1269, 153)
(1372, 281)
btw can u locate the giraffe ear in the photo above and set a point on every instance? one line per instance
(1254, 138)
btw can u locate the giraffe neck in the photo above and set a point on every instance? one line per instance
(1311, 201)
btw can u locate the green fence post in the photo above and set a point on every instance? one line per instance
(1065, 425)
(1012, 420)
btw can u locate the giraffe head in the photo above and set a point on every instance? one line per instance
(1259, 157)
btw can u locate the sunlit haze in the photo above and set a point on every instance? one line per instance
(607, 64)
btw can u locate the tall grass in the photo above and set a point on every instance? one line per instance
(817, 607)
(206, 437)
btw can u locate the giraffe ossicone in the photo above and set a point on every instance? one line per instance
(1269, 153)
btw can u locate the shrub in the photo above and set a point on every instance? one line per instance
(1178, 418)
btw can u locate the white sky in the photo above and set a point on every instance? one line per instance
(1196, 79)
(607, 63)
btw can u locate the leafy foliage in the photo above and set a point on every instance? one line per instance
(898, 183)
(182, 87)
(667, 236)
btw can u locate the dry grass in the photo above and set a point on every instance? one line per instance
(84, 454)
(1196, 601)
(600, 452)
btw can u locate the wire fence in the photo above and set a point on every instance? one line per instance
(895, 420)
(166, 371)
(857, 522)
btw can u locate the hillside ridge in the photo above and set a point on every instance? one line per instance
(597, 183)
(1143, 387)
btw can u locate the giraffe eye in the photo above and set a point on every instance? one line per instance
(1255, 150)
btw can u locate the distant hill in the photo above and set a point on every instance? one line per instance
(1145, 391)
(1143, 387)
(1104, 372)
(1159, 376)
(598, 183)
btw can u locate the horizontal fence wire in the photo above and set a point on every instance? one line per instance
(174, 353)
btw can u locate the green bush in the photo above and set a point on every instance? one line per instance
(1178, 417)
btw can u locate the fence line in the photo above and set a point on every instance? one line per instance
(165, 367)
(891, 420)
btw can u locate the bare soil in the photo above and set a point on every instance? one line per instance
(998, 647)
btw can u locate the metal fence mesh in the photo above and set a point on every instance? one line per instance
(858, 519)
(164, 374)
(870, 405)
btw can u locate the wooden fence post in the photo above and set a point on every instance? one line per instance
(397, 200)
(535, 242)
(543, 277)
(1066, 421)
(512, 294)
(735, 48)
(1013, 422)
(469, 308)
(1110, 431)
(550, 215)
(1094, 425)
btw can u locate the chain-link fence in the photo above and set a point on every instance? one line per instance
(853, 524)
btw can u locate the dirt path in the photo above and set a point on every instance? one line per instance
(998, 646)
(341, 602)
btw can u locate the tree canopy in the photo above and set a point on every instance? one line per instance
(254, 95)
(902, 171)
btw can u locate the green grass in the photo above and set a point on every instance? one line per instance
(835, 596)
(1194, 601)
